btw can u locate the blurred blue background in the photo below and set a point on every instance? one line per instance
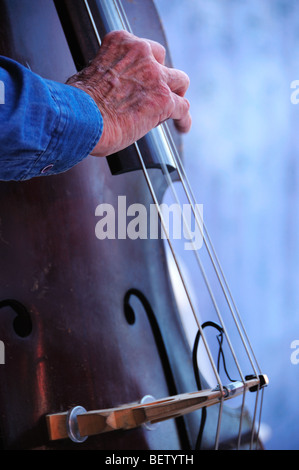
(241, 157)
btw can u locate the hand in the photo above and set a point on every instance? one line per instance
(133, 90)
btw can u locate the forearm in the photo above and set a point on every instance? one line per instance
(46, 127)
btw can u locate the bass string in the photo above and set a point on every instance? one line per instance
(195, 212)
(166, 173)
(214, 368)
(226, 290)
(152, 194)
(155, 199)
(176, 158)
(126, 26)
(212, 253)
(170, 184)
(200, 224)
(179, 166)
(195, 315)
(181, 172)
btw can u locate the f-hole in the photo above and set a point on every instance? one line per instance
(22, 322)
(132, 301)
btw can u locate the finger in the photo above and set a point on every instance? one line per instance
(177, 80)
(180, 114)
(183, 125)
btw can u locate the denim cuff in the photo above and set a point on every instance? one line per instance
(77, 129)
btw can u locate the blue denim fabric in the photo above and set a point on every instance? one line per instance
(46, 127)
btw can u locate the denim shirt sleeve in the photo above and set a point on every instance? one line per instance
(46, 127)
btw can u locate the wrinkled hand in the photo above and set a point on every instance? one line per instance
(133, 90)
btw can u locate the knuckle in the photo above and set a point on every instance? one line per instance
(185, 77)
(142, 48)
(187, 82)
(165, 100)
(186, 104)
(153, 73)
(162, 48)
(116, 36)
(172, 103)
(162, 52)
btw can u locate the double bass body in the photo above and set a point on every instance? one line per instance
(84, 322)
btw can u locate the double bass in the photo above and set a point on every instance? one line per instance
(96, 350)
